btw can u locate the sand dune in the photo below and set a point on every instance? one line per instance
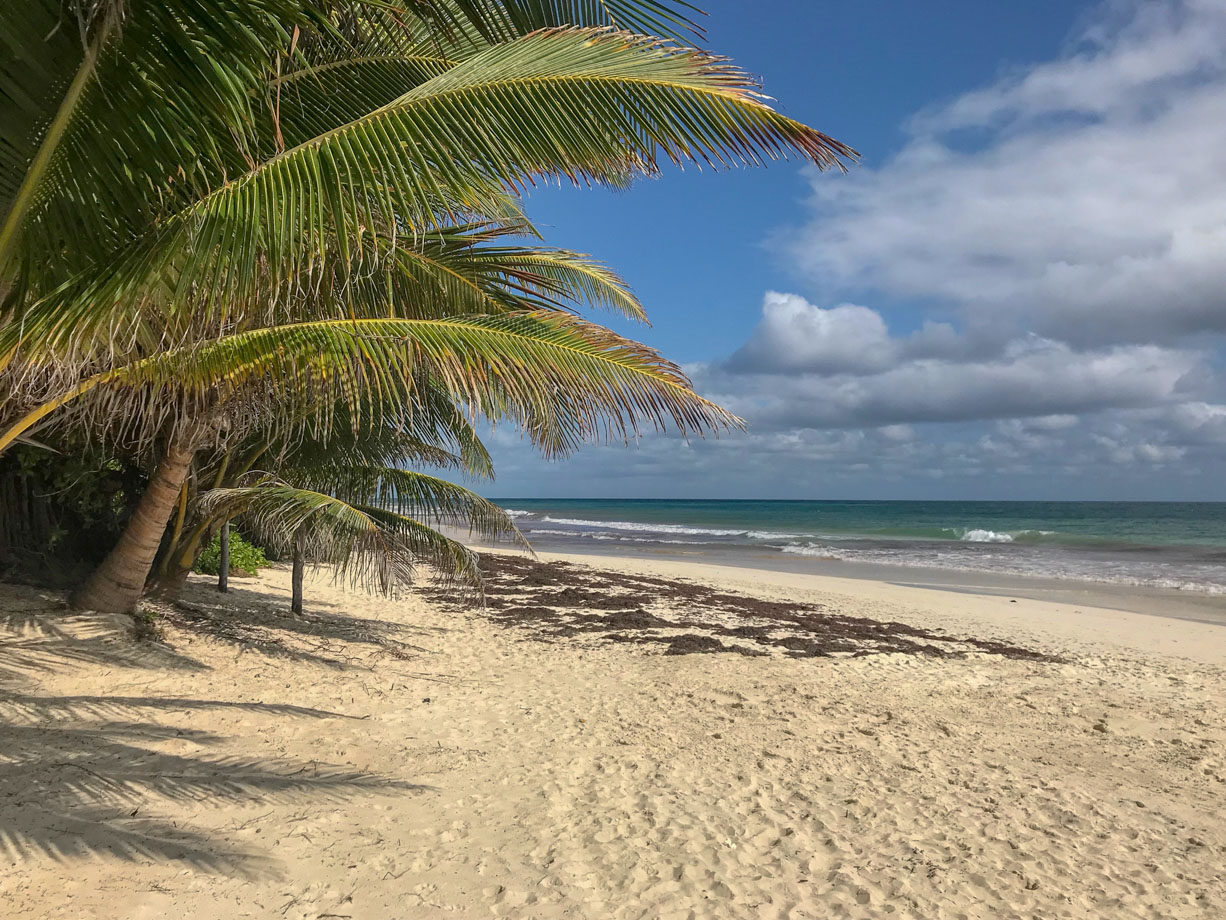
(409, 760)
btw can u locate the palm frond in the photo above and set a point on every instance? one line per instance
(409, 493)
(564, 380)
(370, 546)
(458, 271)
(587, 105)
(674, 19)
(143, 92)
(429, 431)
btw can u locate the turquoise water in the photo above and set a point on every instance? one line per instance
(1163, 544)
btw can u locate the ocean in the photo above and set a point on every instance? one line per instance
(1169, 545)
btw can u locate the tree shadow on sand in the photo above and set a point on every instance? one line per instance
(39, 636)
(109, 775)
(83, 775)
(256, 621)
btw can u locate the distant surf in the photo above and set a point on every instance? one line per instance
(1177, 545)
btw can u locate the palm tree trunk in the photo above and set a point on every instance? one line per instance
(299, 567)
(181, 560)
(223, 564)
(169, 585)
(117, 584)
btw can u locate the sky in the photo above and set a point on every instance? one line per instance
(1018, 293)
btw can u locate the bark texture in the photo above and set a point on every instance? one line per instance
(118, 583)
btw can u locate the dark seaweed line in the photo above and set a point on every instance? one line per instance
(557, 600)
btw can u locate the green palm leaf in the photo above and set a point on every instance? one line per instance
(372, 546)
(378, 56)
(458, 271)
(583, 104)
(563, 379)
(140, 92)
(667, 18)
(408, 493)
(430, 431)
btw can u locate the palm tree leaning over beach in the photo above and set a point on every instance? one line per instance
(472, 269)
(226, 217)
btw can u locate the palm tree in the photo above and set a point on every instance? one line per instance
(295, 178)
(433, 435)
(366, 522)
(467, 270)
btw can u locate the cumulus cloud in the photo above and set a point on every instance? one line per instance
(791, 373)
(1083, 198)
(794, 335)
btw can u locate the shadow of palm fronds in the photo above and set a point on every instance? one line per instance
(16, 707)
(106, 765)
(89, 832)
(70, 788)
(255, 621)
(40, 636)
(25, 658)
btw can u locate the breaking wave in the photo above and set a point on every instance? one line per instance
(986, 536)
(1110, 552)
(646, 528)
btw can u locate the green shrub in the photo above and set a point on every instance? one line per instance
(244, 557)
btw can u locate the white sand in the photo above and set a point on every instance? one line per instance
(588, 779)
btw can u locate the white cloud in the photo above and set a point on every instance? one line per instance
(794, 335)
(897, 433)
(1130, 54)
(793, 374)
(1084, 198)
(1200, 423)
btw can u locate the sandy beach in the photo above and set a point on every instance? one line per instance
(647, 739)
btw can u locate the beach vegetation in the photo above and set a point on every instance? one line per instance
(246, 559)
(240, 237)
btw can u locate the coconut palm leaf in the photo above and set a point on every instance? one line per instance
(165, 88)
(409, 493)
(562, 379)
(133, 94)
(378, 56)
(371, 546)
(667, 18)
(430, 432)
(309, 100)
(582, 104)
(459, 271)
(503, 20)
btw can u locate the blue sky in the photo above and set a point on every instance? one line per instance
(1014, 295)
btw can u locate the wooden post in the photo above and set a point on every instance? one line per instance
(223, 565)
(299, 567)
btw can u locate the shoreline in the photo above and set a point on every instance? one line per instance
(1193, 606)
(1150, 629)
(1173, 550)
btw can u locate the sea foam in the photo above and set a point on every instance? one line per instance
(645, 528)
(985, 536)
